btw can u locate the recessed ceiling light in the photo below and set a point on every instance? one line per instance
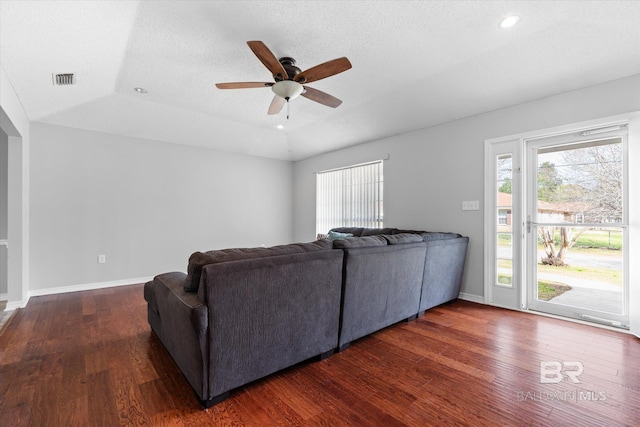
(140, 90)
(509, 21)
(280, 127)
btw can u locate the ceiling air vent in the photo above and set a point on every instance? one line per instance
(63, 79)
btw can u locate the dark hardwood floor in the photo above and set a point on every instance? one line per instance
(89, 358)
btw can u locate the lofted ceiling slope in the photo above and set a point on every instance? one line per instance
(415, 64)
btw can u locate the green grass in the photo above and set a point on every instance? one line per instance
(602, 239)
(592, 239)
(505, 263)
(596, 251)
(504, 279)
(504, 239)
(605, 275)
(548, 290)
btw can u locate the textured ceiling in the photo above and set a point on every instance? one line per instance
(415, 64)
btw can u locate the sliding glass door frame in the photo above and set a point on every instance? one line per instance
(515, 144)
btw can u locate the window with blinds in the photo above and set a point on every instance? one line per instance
(349, 197)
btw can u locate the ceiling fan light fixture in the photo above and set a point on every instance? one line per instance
(287, 89)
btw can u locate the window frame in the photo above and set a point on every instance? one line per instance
(350, 196)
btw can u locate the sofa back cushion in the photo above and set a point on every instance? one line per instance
(335, 235)
(399, 239)
(432, 235)
(356, 231)
(318, 245)
(199, 259)
(429, 236)
(359, 242)
(361, 232)
(377, 231)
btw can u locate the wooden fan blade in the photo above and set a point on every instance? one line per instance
(268, 59)
(242, 85)
(324, 70)
(276, 105)
(321, 97)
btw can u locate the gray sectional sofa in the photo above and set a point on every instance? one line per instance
(238, 315)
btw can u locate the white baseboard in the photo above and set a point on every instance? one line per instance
(12, 305)
(471, 297)
(87, 286)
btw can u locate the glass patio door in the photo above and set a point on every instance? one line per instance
(576, 226)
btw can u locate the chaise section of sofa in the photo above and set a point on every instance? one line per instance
(251, 315)
(269, 314)
(180, 320)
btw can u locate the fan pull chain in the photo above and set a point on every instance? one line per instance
(288, 109)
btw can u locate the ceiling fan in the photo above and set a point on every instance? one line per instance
(289, 80)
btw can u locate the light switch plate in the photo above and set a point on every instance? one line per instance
(471, 205)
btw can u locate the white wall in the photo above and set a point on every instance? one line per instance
(146, 205)
(431, 171)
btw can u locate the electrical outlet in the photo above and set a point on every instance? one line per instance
(471, 205)
(102, 259)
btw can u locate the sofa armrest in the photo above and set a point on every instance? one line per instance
(184, 323)
(444, 267)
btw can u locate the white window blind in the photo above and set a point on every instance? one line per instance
(349, 197)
